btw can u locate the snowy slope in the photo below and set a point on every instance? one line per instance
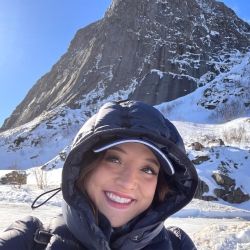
(37, 142)
(224, 98)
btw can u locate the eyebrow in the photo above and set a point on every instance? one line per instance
(118, 149)
(154, 161)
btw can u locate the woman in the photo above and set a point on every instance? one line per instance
(126, 173)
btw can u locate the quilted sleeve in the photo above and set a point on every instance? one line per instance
(179, 239)
(20, 234)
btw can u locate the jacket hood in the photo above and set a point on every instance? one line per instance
(137, 120)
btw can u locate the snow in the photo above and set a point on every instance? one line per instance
(223, 86)
(26, 146)
(212, 226)
(214, 33)
(158, 72)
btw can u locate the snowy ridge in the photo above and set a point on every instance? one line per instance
(37, 142)
(186, 39)
(205, 105)
(27, 146)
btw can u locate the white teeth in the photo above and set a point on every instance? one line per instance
(118, 199)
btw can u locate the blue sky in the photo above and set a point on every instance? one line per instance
(35, 34)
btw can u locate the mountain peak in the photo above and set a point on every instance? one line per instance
(154, 51)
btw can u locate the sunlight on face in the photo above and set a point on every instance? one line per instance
(124, 182)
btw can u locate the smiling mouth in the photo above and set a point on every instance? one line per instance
(116, 199)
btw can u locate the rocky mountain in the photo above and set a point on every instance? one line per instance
(150, 50)
(191, 59)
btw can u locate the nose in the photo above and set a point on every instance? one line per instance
(128, 178)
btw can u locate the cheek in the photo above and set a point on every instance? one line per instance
(153, 188)
(95, 179)
(90, 183)
(148, 188)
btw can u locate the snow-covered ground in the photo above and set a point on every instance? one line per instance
(207, 233)
(212, 226)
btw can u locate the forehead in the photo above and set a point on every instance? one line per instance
(136, 150)
(128, 146)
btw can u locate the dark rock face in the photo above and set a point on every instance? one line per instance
(200, 159)
(201, 189)
(234, 196)
(154, 51)
(229, 192)
(224, 180)
(155, 89)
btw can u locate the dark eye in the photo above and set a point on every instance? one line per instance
(113, 159)
(149, 170)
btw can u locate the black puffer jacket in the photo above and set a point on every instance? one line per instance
(116, 120)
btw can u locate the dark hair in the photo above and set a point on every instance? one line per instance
(162, 188)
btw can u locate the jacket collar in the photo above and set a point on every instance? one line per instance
(138, 238)
(84, 228)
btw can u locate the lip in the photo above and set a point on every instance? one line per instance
(119, 205)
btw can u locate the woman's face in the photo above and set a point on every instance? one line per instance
(123, 184)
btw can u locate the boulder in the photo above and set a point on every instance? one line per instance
(200, 159)
(233, 196)
(229, 192)
(197, 146)
(201, 189)
(224, 180)
(16, 177)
